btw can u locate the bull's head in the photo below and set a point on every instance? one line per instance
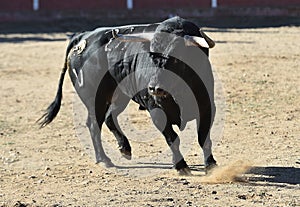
(164, 50)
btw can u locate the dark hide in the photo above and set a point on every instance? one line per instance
(107, 73)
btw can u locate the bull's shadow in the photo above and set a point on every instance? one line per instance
(274, 175)
(147, 165)
(158, 165)
(257, 175)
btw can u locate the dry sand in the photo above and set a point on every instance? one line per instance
(258, 153)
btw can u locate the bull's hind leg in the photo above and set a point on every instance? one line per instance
(112, 123)
(95, 131)
(172, 139)
(96, 117)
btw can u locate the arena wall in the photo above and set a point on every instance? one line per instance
(58, 5)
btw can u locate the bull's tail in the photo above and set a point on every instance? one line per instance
(54, 107)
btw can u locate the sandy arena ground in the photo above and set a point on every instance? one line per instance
(258, 153)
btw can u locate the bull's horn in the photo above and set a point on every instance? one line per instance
(210, 42)
(195, 41)
(138, 37)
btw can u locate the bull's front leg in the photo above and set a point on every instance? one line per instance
(120, 101)
(204, 126)
(172, 140)
(206, 145)
(124, 146)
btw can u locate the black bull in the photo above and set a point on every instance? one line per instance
(161, 66)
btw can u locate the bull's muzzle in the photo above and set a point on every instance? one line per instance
(157, 91)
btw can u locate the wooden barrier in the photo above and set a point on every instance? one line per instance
(81, 5)
(169, 4)
(16, 5)
(86, 5)
(257, 3)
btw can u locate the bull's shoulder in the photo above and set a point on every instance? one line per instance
(136, 28)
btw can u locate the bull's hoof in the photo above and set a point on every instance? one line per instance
(106, 162)
(125, 153)
(210, 164)
(209, 168)
(182, 168)
(185, 171)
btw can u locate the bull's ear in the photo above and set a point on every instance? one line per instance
(138, 37)
(195, 41)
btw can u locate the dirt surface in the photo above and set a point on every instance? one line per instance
(258, 153)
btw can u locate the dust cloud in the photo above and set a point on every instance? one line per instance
(228, 173)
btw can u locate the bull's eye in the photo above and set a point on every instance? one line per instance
(152, 89)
